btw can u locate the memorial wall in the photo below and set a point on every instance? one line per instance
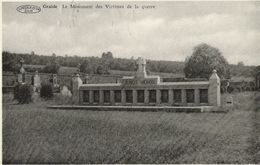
(143, 89)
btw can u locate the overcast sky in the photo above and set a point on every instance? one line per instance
(168, 32)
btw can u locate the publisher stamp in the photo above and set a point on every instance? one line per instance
(28, 9)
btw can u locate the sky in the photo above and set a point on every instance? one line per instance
(169, 32)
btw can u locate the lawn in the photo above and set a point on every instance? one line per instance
(34, 134)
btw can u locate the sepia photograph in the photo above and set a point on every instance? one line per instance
(130, 82)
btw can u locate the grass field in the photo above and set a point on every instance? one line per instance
(34, 134)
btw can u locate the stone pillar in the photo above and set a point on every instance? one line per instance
(134, 97)
(76, 83)
(158, 96)
(170, 97)
(197, 96)
(123, 97)
(214, 89)
(101, 97)
(37, 82)
(112, 97)
(91, 96)
(146, 96)
(183, 96)
(21, 75)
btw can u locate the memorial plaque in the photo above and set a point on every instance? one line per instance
(96, 96)
(129, 96)
(229, 100)
(164, 96)
(152, 96)
(140, 96)
(86, 96)
(177, 95)
(203, 95)
(117, 96)
(106, 96)
(190, 95)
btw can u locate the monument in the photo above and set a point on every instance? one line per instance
(21, 74)
(36, 82)
(143, 89)
(56, 86)
(65, 91)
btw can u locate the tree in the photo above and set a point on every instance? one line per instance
(240, 63)
(87, 67)
(256, 71)
(107, 55)
(52, 68)
(204, 60)
(10, 62)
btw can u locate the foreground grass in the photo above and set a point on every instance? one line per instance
(34, 134)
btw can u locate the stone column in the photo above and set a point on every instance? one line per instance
(183, 96)
(21, 74)
(91, 96)
(101, 97)
(112, 97)
(214, 89)
(134, 97)
(146, 96)
(76, 83)
(158, 96)
(170, 97)
(123, 97)
(197, 96)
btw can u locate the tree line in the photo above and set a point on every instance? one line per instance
(200, 64)
(96, 65)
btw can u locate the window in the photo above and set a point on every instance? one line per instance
(106, 96)
(190, 95)
(152, 96)
(117, 96)
(177, 95)
(85, 96)
(164, 96)
(140, 96)
(129, 96)
(203, 95)
(96, 96)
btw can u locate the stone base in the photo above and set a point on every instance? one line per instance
(195, 109)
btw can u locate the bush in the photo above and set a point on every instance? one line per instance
(51, 68)
(23, 93)
(46, 91)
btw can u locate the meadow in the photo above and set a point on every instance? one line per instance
(34, 134)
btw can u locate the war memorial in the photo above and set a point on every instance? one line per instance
(148, 90)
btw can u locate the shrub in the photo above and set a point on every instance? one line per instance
(51, 68)
(23, 93)
(46, 91)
